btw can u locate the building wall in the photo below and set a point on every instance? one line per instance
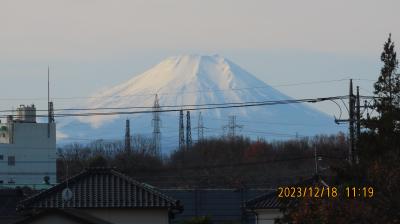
(267, 216)
(130, 216)
(33, 151)
(53, 219)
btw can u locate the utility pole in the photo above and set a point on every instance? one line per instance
(358, 125)
(315, 160)
(127, 136)
(354, 123)
(351, 123)
(188, 131)
(181, 130)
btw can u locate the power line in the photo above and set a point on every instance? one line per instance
(218, 106)
(261, 122)
(226, 165)
(246, 131)
(206, 106)
(193, 105)
(190, 92)
(267, 133)
(151, 107)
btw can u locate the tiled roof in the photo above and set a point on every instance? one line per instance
(100, 188)
(268, 200)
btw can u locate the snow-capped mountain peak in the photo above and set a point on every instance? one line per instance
(199, 79)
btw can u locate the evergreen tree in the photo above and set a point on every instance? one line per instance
(383, 136)
(387, 89)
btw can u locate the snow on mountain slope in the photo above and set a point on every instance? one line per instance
(195, 79)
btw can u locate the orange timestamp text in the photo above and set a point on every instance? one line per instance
(325, 192)
(307, 192)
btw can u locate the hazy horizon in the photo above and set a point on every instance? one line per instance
(91, 45)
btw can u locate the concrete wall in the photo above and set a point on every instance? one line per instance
(130, 216)
(117, 216)
(53, 219)
(221, 205)
(34, 153)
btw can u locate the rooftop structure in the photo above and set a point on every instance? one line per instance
(27, 150)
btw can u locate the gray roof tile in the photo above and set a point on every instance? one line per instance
(101, 188)
(268, 200)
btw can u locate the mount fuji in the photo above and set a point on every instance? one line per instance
(193, 80)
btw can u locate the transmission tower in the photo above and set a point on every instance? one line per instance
(181, 130)
(127, 136)
(232, 127)
(188, 131)
(200, 128)
(156, 122)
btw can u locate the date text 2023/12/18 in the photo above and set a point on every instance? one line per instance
(325, 192)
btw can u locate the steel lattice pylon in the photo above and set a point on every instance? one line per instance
(156, 122)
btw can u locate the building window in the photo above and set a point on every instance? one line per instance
(11, 160)
(1, 157)
(1, 181)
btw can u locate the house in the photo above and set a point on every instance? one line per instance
(100, 195)
(27, 150)
(266, 208)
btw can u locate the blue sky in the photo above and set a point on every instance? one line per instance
(91, 45)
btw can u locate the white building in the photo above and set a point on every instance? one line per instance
(27, 150)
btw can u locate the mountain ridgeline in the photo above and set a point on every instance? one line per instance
(194, 80)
